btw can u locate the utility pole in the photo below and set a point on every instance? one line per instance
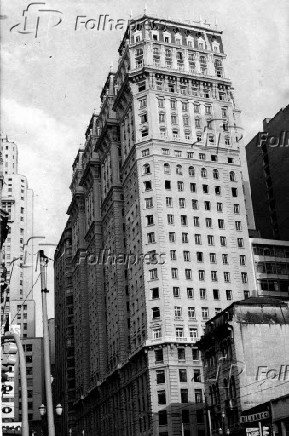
(47, 368)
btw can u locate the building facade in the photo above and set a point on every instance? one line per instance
(268, 159)
(244, 364)
(159, 228)
(271, 267)
(64, 385)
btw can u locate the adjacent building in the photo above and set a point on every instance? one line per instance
(157, 231)
(271, 267)
(64, 384)
(268, 160)
(245, 353)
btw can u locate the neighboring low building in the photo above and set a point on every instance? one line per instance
(271, 265)
(245, 351)
(268, 418)
(33, 349)
(268, 161)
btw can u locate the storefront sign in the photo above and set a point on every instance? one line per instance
(254, 417)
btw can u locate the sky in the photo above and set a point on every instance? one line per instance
(51, 81)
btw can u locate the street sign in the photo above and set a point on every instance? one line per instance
(253, 431)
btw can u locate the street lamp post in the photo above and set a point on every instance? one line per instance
(47, 369)
(42, 410)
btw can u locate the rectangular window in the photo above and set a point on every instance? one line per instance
(203, 294)
(148, 185)
(174, 272)
(196, 221)
(198, 396)
(172, 237)
(148, 203)
(195, 354)
(180, 186)
(234, 192)
(179, 332)
(240, 242)
(187, 256)
(198, 240)
(178, 312)
(182, 203)
(176, 291)
(208, 222)
(161, 102)
(216, 294)
(223, 241)
(181, 354)
(244, 277)
(214, 276)
(197, 376)
(167, 184)
(184, 396)
(210, 239)
(155, 293)
(201, 274)
(218, 190)
(184, 220)
(193, 187)
(238, 225)
(221, 224)
(190, 292)
(185, 238)
(151, 238)
(191, 312)
(207, 205)
(219, 207)
(200, 256)
(205, 312)
(170, 219)
(188, 274)
(205, 189)
(163, 420)
(169, 202)
(229, 294)
(194, 333)
(236, 208)
(226, 277)
(161, 397)
(153, 274)
(183, 375)
(161, 375)
(173, 254)
(213, 257)
(242, 259)
(195, 204)
(225, 259)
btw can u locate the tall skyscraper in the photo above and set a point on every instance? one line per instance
(159, 229)
(268, 160)
(17, 200)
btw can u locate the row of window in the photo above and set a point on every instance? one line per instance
(190, 293)
(200, 257)
(201, 273)
(195, 203)
(190, 155)
(184, 222)
(184, 394)
(197, 238)
(191, 169)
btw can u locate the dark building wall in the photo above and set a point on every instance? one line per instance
(268, 162)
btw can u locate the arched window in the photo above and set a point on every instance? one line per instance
(179, 170)
(203, 172)
(146, 169)
(232, 176)
(167, 168)
(191, 171)
(215, 174)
